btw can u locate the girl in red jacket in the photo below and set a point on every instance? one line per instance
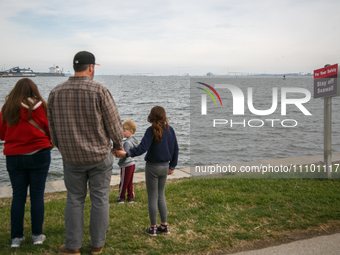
(28, 155)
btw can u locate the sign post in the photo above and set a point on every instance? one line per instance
(326, 86)
(327, 140)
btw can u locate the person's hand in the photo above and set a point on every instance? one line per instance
(119, 153)
(170, 172)
(114, 152)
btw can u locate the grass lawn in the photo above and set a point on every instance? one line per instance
(205, 216)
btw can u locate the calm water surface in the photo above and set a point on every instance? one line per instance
(135, 96)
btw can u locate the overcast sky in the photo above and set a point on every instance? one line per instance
(172, 37)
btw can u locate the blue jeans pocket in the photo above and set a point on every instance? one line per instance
(41, 159)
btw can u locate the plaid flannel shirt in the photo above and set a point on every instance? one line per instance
(83, 117)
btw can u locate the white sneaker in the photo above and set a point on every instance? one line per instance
(16, 242)
(39, 239)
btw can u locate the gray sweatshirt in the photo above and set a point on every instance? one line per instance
(128, 144)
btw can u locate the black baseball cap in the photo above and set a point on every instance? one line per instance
(84, 58)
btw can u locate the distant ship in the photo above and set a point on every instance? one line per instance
(28, 72)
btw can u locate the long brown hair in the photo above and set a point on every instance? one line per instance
(22, 91)
(158, 119)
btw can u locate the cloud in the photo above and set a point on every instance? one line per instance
(153, 35)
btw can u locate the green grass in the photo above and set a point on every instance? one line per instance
(204, 215)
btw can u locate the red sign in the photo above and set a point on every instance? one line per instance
(325, 81)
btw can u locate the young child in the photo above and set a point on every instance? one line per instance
(160, 143)
(127, 165)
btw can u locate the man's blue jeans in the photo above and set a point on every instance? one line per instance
(24, 171)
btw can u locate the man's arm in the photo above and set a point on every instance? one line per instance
(112, 122)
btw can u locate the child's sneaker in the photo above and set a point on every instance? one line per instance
(120, 201)
(164, 229)
(151, 231)
(16, 242)
(39, 239)
(131, 200)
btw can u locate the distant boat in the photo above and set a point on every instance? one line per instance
(28, 72)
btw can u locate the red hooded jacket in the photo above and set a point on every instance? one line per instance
(24, 137)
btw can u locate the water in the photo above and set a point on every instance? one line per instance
(135, 96)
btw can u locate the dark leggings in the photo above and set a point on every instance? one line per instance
(155, 177)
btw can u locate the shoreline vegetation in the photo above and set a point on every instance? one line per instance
(205, 215)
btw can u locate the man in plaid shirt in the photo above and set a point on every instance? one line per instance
(83, 120)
